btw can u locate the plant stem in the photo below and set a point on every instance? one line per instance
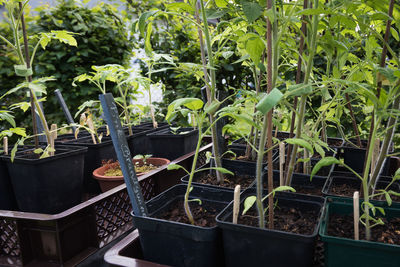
(260, 157)
(196, 154)
(212, 92)
(29, 78)
(303, 100)
(298, 80)
(386, 142)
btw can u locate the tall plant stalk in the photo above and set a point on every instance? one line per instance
(303, 100)
(298, 81)
(210, 78)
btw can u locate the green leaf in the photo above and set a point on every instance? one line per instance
(215, 14)
(255, 47)
(18, 130)
(269, 101)
(147, 43)
(322, 163)
(251, 10)
(283, 188)
(300, 142)
(22, 70)
(319, 149)
(38, 150)
(223, 170)
(313, 11)
(248, 203)
(181, 6)
(394, 33)
(221, 3)
(65, 37)
(388, 198)
(143, 19)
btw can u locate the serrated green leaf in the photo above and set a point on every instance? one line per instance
(248, 203)
(255, 47)
(251, 10)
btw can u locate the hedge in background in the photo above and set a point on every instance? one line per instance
(102, 39)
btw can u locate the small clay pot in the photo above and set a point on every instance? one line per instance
(109, 182)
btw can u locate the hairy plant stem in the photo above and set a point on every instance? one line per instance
(365, 182)
(382, 65)
(125, 107)
(29, 78)
(192, 171)
(211, 93)
(259, 183)
(386, 142)
(298, 80)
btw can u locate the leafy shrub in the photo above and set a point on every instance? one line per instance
(102, 39)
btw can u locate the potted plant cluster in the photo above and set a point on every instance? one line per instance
(308, 150)
(38, 184)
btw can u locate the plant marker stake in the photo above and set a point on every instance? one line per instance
(5, 145)
(356, 211)
(64, 108)
(375, 155)
(281, 163)
(123, 154)
(236, 204)
(53, 136)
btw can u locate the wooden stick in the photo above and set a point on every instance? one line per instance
(5, 145)
(356, 211)
(53, 130)
(236, 204)
(375, 155)
(281, 163)
(53, 136)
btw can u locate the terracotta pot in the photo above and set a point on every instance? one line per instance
(109, 182)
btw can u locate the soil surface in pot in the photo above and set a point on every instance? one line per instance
(285, 219)
(116, 170)
(342, 226)
(347, 190)
(204, 214)
(229, 181)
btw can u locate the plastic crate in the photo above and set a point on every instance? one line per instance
(67, 238)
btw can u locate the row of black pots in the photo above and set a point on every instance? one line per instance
(54, 184)
(228, 244)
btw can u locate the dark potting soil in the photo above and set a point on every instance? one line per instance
(204, 214)
(229, 181)
(285, 219)
(347, 190)
(342, 226)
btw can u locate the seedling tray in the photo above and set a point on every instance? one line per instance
(69, 237)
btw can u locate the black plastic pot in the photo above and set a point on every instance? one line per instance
(350, 180)
(253, 246)
(178, 244)
(49, 185)
(7, 197)
(345, 252)
(166, 144)
(95, 155)
(250, 166)
(236, 167)
(302, 183)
